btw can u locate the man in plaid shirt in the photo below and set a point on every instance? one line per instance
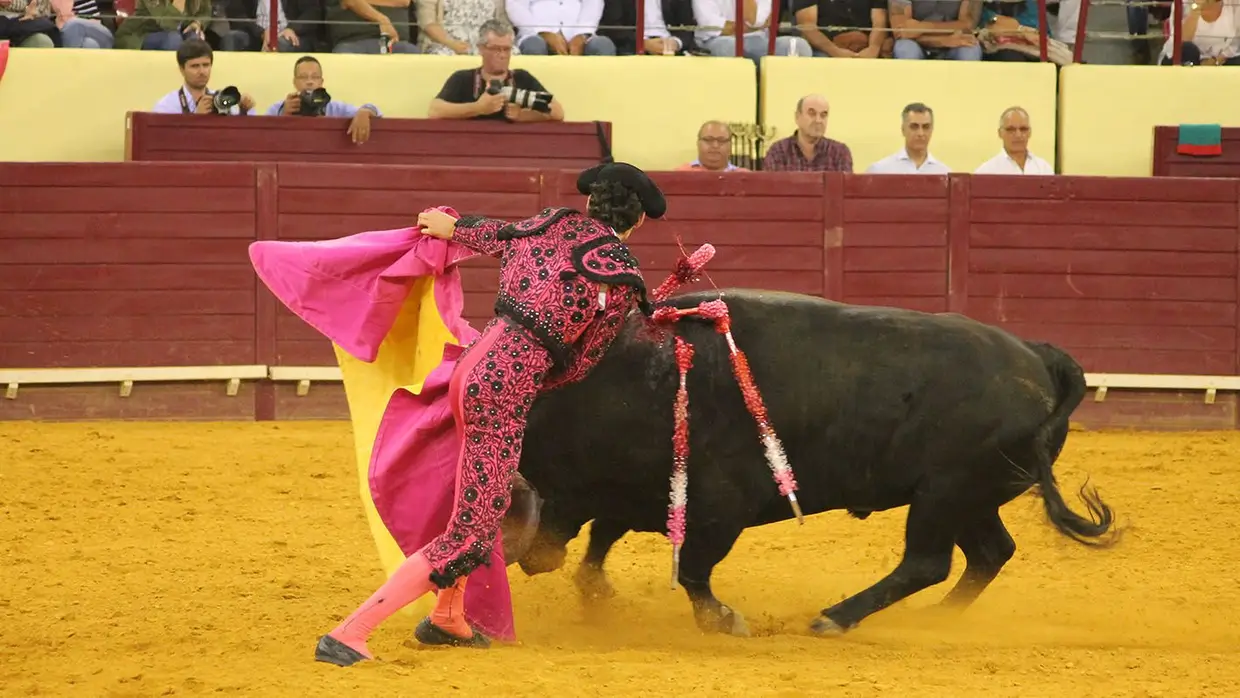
(807, 149)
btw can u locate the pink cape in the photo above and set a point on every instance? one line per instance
(351, 290)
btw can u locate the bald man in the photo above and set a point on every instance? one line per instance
(808, 149)
(1015, 158)
(714, 146)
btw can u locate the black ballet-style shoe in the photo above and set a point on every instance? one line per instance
(430, 634)
(334, 651)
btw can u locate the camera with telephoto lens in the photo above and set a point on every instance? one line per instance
(526, 99)
(314, 102)
(226, 100)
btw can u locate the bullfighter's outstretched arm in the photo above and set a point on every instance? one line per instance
(479, 234)
(594, 342)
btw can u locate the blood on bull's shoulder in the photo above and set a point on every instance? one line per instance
(876, 408)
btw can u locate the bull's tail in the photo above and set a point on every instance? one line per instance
(1070, 388)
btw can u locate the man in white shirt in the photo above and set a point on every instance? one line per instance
(917, 125)
(559, 27)
(195, 58)
(619, 23)
(1015, 158)
(717, 33)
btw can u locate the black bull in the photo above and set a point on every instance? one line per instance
(877, 408)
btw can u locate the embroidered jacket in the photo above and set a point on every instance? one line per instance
(553, 268)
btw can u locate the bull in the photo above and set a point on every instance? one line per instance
(877, 408)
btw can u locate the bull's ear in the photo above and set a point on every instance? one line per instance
(520, 524)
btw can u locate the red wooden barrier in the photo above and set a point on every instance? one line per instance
(393, 141)
(140, 264)
(1168, 163)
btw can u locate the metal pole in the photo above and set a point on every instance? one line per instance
(1079, 45)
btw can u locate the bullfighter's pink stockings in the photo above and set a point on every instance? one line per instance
(410, 581)
(491, 390)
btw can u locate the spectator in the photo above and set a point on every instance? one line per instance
(714, 146)
(1208, 35)
(722, 42)
(79, 24)
(1012, 23)
(448, 27)
(808, 149)
(1139, 13)
(220, 32)
(917, 126)
(1067, 18)
(28, 24)
(195, 58)
(359, 26)
(308, 76)
(860, 27)
(162, 25)
(464, 95)
(1015, 158)
(935, 29)
(620, 16)
(301, 33)
(564, 28)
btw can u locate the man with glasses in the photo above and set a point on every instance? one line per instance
(464, 94)
(714, 146)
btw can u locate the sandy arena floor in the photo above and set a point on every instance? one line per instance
(189, 559)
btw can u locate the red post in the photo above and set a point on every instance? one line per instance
(773, 28)
(641, 26)
(273, 25)
(1042, 29)
(1079, 45)
(738, 28)
(1177, 30)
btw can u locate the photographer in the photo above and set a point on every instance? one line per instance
(308, 98)
(194, 56)
(493, 91)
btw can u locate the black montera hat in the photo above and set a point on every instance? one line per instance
(652, 199)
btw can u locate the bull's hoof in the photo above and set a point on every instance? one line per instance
(430, 634)
(822, 626)
(333, 651)
(725, 621)
(737, 627)
(593, 585)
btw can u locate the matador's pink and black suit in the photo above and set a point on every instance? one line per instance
(567, 282)
(552, 325)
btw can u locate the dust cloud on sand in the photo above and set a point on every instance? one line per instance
(188, 559)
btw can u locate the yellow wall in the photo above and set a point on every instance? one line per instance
(70, 104)
(1107, 113)
(866, 98)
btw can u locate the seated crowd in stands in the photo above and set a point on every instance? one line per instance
(808, 149)
(902, 29)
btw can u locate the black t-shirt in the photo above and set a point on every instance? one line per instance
(841, 13)
(465, 86)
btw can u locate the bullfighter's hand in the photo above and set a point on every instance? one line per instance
(437, 224)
